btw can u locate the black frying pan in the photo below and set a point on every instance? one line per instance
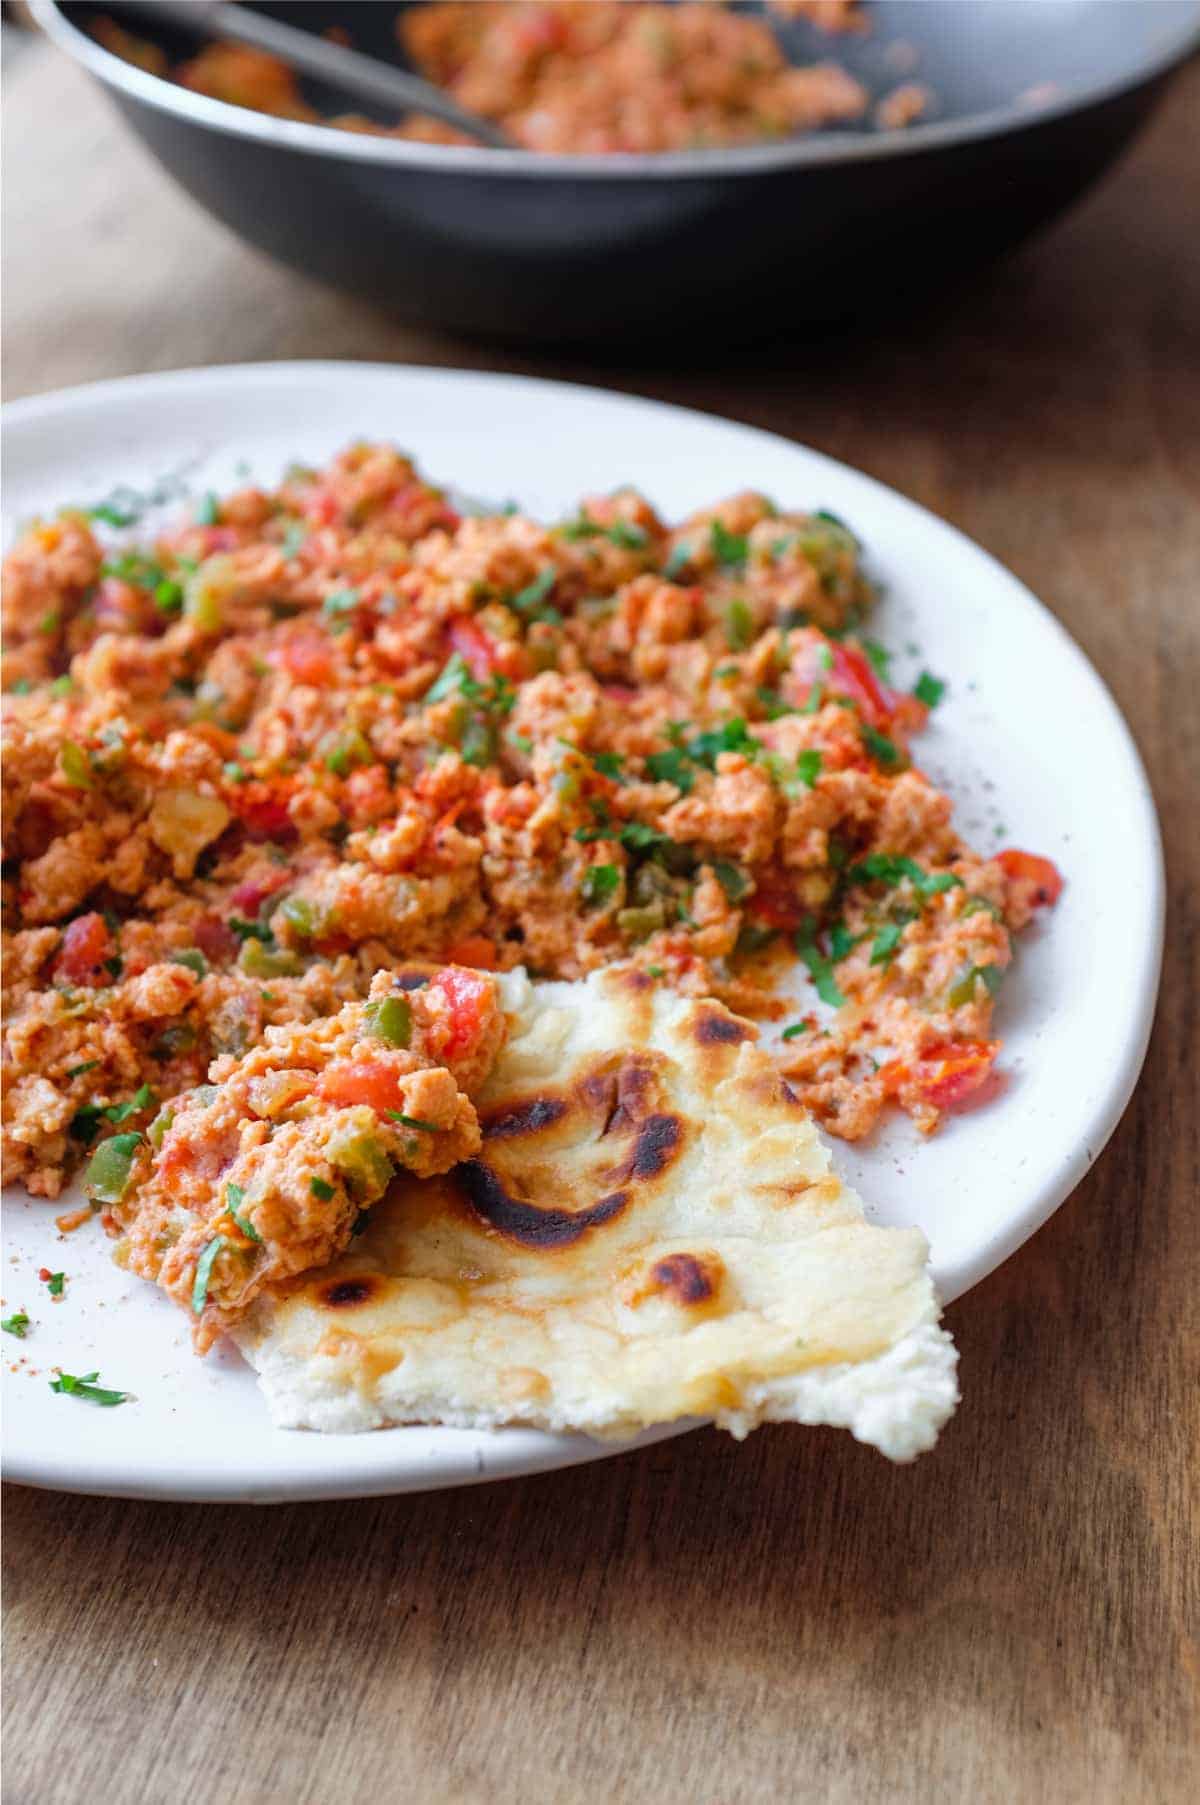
(593, 248)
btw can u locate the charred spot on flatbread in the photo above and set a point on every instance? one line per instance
(688, 1278)
(716, 1028)
(562, 1162)
(348, 1293)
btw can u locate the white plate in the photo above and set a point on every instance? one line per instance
(1028, 742)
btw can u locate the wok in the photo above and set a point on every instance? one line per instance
(1034, 98)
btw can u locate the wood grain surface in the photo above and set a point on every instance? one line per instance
(1012, 1618)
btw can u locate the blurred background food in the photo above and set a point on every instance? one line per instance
(680, 167)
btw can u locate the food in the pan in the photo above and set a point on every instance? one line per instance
(307, 734)
(575, 75)
(651, 1230)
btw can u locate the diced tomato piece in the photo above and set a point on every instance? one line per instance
(774, 902)
(851, 675)
(306, 657)
(1041, 873)
(618, 692)
(215, 938)
(475, 950)
(419, 510)
(248, 898)
(476, 648)
(945, 1074)
(86, 944)
(370, 1081)
(321, 506)
(262, 809)
(469, 999)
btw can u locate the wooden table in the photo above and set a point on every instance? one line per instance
(792, 1618)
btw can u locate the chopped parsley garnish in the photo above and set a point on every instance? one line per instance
(455, 674)
(321, 1188)
(110, 515)
(886, 941)
(142, 1098)
(56, 1283)
(819, 968)
(608, 764)
(77, 1071)
(529, 600)
(208, 510)
(929, 689)
(729, 549)
(885, 868)
(842, 942)
(204, 1266)
(731, 736)
(340, 603)
(600, 882)
(235, 1196)
(804, 1026)
(677, 563)
(69, 1386)
(293, 539)
(815, 697)
(883, 750)
(412, 1121)
(773, 703)
(627, 535)
(251, 930)
(808, 765)
(16, 1324)
(731, 878)
(671, 767)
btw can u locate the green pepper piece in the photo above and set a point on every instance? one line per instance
(363, 1162)
(390, 1019)
(258, 961)
(111, 1166)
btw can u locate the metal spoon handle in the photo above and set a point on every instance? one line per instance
(365, 76)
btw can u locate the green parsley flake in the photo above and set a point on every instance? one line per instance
(600, 882)
(16, 1324)
(69, 1386)
(886, 868)
(209, 510)
(56, 1284)
(628, 535)
(412, 1121)
(808, 765)
(321, 1188)
(883, 750)
(235, 1196)
(677, 563)
(529, 599)
(886, 941)
(801, 1027)
(671, 767)
(819, 968)
(204, 1266)
(453, 680)
(929, 689)
(729, 549)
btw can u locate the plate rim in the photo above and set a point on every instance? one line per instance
(511, 1453)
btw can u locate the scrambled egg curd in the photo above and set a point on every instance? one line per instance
(304, 737)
